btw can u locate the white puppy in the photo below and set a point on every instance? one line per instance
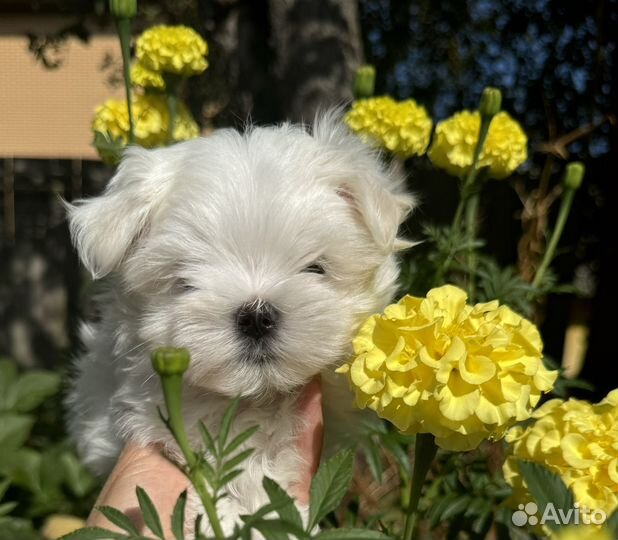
(260, 253)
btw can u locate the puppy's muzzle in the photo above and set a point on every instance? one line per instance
(257, 319)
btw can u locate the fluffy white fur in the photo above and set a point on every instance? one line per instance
(185, 236)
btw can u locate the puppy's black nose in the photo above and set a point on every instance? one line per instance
(257, 319)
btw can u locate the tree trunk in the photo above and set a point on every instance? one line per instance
(317, 47)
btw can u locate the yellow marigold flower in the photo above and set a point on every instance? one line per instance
(455, 139)
(437, 365)
(146, 78)
(172, 49)
(577, 440)
(582, 533)
(402, 127)
(58, 525)
(151, 121)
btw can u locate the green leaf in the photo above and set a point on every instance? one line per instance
(546, 487)
(76, 476)
(351, 534)
(8, 375)
(276, 494)
(374, 460)
(197, 526)
(434, 515)
(14, 430)
(229, 477)
(209, 442)
(34, 387)
(7, 507)
(237, 459)
(22, 467)
(92, 533)
(119, 519)
(239, 439)
(455, 508)
(149, 513)
(178, 516)
(4, 485)
(226, 422)
(109, 148)
(277, 529)
(400, 455)
(329, 485)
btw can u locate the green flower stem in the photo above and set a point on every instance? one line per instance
(172, 85)
(172, 105)
(424, 451)
(548, 256)
(123, 25)
(166, 362)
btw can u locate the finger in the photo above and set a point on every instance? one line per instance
(309, 439)
(148, 468)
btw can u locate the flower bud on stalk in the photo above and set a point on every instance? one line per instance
(364, 82)
(573, 175)
(169, 361)
(123, 9)
(491, 102)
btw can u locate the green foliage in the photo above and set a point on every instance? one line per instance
(39, 472)
(546, 487)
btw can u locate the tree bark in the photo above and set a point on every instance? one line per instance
(318, 47)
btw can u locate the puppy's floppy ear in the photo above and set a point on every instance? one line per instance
(381, 209)
(374, 190)
(103, 228)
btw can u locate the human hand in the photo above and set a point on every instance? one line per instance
(164, 482)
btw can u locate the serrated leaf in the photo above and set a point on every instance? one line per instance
(351, 534)
(149, 513)
(178, 516)
(546, 487)
(240, 439)
(34, 387)
(237, 459)
(14, 430)
(208, 439)
(226, 422)
(329, 485)
(276, 494)
(119, 519)
(92, 533)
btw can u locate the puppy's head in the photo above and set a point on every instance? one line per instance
(259, 252)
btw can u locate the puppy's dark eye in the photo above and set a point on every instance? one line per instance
(184, 286)
(315, 268)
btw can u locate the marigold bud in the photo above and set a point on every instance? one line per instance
(170, 361)
(364, 82)
(491, 101)
(573, 175)
(123, 9)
